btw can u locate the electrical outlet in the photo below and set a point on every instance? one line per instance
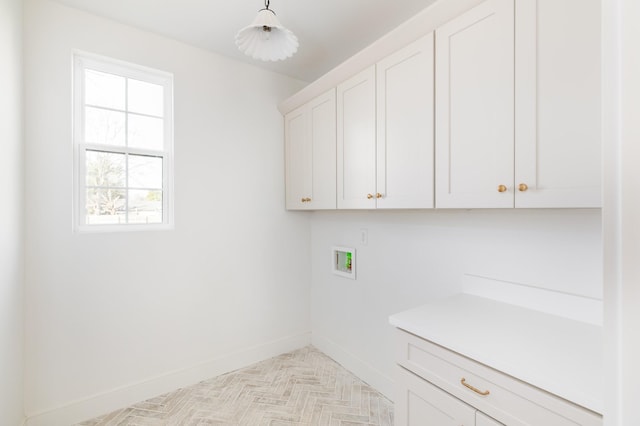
(364, 236)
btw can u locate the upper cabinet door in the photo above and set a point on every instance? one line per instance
(475, 108)
(405, 113)
(356, 107)
(558, 126)
(310, 145)
(322, 116)
(298, 158)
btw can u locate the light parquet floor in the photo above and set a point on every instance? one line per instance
(303, 387)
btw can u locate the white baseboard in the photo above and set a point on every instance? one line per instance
(130, 394)
(360, 368)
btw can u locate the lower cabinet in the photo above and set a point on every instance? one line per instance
(439, 387)
(483, 420)
(419, 403)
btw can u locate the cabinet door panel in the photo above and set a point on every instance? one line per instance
(298, 158)
(558, 103)
(405, 127)
(322, 130)
(419, 403)
(356, 105)
(483, 420)
(310, 146)
(475, 107)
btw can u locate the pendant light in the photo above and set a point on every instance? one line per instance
(266, 39)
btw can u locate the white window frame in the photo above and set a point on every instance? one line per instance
(82, 61)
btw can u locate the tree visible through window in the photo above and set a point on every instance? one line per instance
(123, 138)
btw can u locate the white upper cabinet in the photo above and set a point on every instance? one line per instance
(475, 107)
(523, 129)
(558, 130)
(310, 146)
(385, 132)
(405, 98)
(356, 106)
(498, 108)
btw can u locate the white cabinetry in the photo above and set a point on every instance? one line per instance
(482, 420)
(474, 107)
(517, 106)
(356, 107)
(558, 127)
(385, 132)
(515, 114)
(419, 403)
(310, 146)
(405, 103)
(436, 376)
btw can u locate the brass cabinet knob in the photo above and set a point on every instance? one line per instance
(305, 200)
(502, 188)
(369, 196)
(522, 187)
(378, 195)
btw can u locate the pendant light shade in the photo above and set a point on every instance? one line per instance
(266, 39)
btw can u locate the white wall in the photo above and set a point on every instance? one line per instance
(630, 211)
(414, 257)
(611, 20)
(11, 211)
(117, 317)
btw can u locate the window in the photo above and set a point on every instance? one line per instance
(123, 137)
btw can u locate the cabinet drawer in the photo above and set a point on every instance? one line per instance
(419, 403)
(502, 397)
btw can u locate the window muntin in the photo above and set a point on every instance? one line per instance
(123, 144)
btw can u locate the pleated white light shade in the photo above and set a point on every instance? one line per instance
(266, 39)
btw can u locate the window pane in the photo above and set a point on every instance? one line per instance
(103, 126)
(105, 90)
(145, 206)
(145, 171)
(106, 169)
(146, 98)
(105, 206)
(146, 132)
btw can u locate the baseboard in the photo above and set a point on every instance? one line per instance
(357, 366)
(130, 394)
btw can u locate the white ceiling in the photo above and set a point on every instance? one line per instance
(329, 31)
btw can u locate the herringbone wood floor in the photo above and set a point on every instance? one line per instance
(303, 387)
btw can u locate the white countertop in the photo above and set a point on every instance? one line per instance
(556, 354)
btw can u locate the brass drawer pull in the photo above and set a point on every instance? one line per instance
(476, 390)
